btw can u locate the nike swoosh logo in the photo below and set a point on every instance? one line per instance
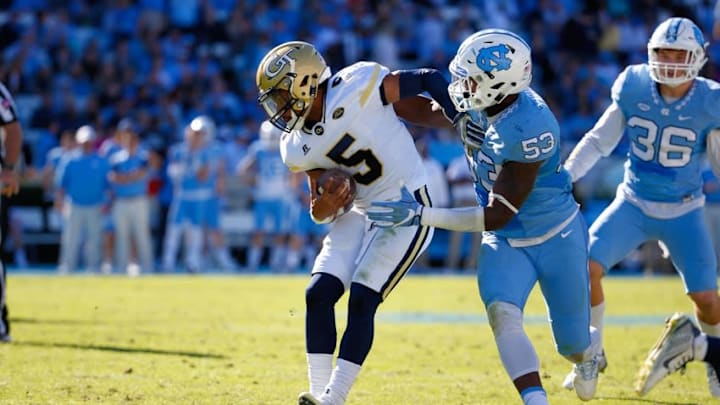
(684, 117)
(565, 234)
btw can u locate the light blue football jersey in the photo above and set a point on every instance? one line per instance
(526, 132)
(667, 139)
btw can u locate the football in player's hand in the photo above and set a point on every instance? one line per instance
(338, 181)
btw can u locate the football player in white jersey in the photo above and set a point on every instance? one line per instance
(532, 229)
(672, 118)
(347, 121)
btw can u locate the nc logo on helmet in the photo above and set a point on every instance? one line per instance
(276, 66)
(494, 58)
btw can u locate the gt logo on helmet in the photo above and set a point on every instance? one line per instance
(275, 67)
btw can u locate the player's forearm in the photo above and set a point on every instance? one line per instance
(713, 151)
(403, 84)
(598, 142)
(13, 143)
(470, 219)
(419, 111)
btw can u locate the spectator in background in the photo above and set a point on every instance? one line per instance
(129, 168)
(11, 147)
(83, 179)
(716, 22)
(108, 147)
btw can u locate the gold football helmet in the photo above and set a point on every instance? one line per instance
(288, 78)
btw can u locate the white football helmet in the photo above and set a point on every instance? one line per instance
(488, 66)
(288, 78)
(204, 125)
(681, 34)
(269, 133)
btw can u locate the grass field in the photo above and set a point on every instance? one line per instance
(239, 340)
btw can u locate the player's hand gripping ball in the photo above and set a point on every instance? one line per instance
(341, 188)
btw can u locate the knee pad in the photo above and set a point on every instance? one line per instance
(504, 317)
(363, 300)
(323, 290)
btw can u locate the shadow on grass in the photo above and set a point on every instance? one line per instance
(53, 321)
(644, 400)
(118, 349)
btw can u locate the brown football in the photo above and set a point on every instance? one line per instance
(332, 179)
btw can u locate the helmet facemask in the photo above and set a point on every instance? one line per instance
(285, 111)
(676, 73)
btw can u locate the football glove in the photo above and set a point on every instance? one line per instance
(472, 133)
(391, 214)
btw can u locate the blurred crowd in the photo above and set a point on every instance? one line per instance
(162, 63)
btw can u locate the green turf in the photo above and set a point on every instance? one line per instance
(239, 340)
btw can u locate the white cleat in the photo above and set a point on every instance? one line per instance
(713, 383)
(307, 398)
(586, 378)
(602, 365)
(671, 352)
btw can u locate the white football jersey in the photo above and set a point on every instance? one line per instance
(358, 134)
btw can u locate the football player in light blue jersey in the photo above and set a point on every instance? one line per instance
(671, 117)
(264, 168)
(533, 232)
(189, 169)
(214, 155)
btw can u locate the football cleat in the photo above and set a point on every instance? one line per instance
(307, 398)
(671, 352)
(602, 365)
(586, 378)
(713, 383)
(5, 338)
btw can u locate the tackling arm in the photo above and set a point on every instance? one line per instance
(511, 189)
(407, 84)
(598, 142)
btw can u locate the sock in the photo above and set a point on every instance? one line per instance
(710, 330)
(534, 396)
(707, 347)
(276, 257)
(342, 379)
(223, 258)
(172, 245)
(254, 256)
(293, 260)
(597, 313)
(700, 347)
(193, 252)
(595, 344)
(319, 372)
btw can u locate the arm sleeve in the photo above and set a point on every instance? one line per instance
(8, 111)
(713, 151)
(466, 219)
(417, 81)
(598, 142)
